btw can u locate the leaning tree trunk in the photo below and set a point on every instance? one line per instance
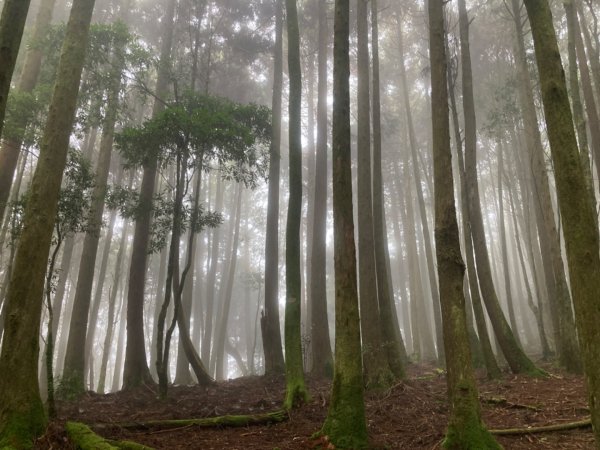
(517, 360)
(21, 412)
(271, 334)
(345, 424)
(465, 429)
(136, 370)
(296, 390)
(554, 271)
(580, 231)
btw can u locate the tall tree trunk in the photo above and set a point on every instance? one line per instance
(491, 365)
(465, 428)
(21, 414)
(271, 333)
(559, 296)
(377, 372)
(295, 390)
(11, 147)
(390, 330)
(136, 368)
(577, 212)
(345, 424)
(322, 358)
(517, 360)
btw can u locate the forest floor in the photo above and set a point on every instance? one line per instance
(410, 415)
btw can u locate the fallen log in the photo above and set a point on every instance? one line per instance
(85, 439)
(544, 429)
(219, 421)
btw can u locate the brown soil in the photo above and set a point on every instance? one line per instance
(411, 415)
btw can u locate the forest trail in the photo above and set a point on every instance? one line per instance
(411, 415)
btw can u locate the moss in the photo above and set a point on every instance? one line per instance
(128, 445)
(84, 438)
(473, 436)
(19, 429)
(296, 394)
(345, 425)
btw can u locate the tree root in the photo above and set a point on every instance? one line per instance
(557, 427)
(85, 439)
(219, 421)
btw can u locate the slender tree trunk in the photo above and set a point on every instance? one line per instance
(322, 358)
(136, 368)
(345, 424)
(377, 372)
(112, 300)
(271, 333)
(515, 357)
(296, 390)
(21, 414)
(228, 290)
(577, 212)
(465, 429)
(392, 339)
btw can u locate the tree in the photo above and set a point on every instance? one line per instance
(21, 414)
(516, 358)
(294, 372)
(136, 370)
(465, 428)
(12, 23)
(189, 135)
(269, 321)
(577, 210)
(322, 358)
(345, 425)
(376, 367)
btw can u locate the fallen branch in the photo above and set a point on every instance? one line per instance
(501, 401)
(557, 427)
(85, 439)
(219, 421)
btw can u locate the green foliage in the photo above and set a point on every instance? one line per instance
(73, 204)
(211, 130)
(69, 387)
(127, 201)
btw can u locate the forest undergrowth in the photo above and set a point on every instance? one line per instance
(410, 415)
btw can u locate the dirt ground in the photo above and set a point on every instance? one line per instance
(410, 415)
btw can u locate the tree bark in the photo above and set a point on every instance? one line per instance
(580, 231)
(271, 333)
(295, 389)
(515, 357)
(345, 424)
(21, 414)
(136, 370)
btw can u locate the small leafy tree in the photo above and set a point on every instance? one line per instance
(195, 134)
(73, 208)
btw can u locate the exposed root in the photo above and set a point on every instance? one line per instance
(85, 439)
